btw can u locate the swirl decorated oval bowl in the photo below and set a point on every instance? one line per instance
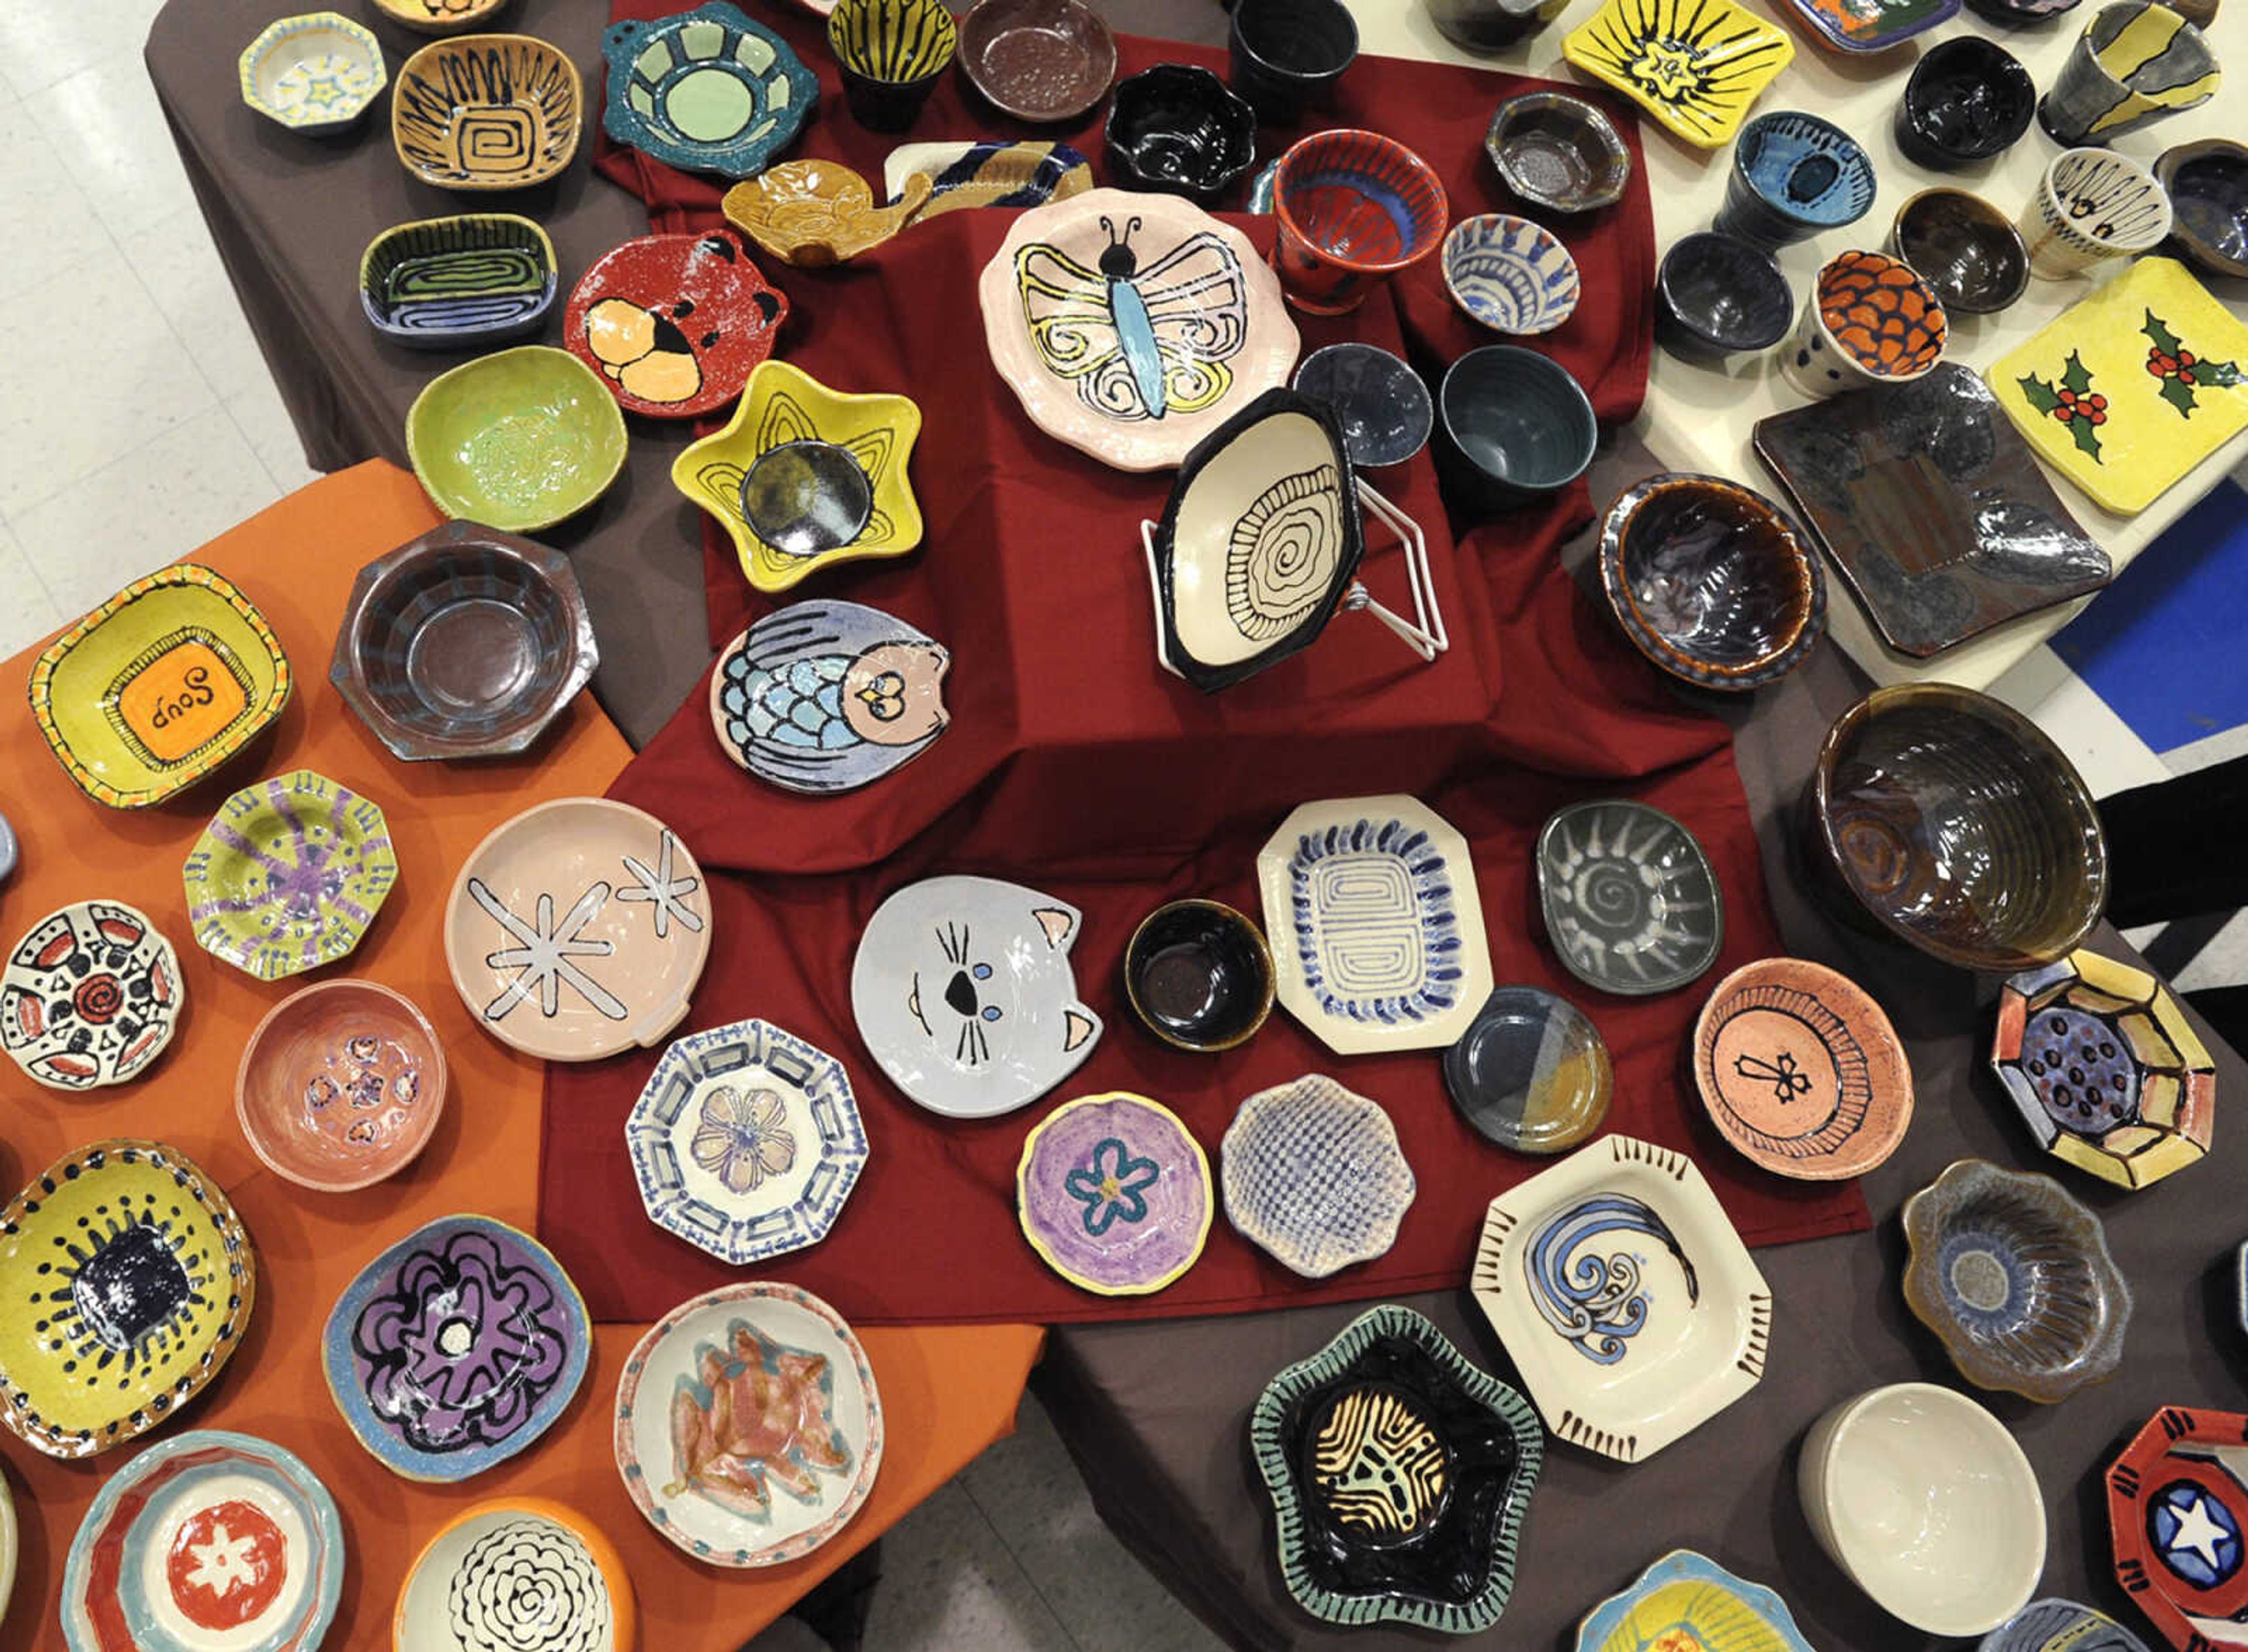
(513, 1574)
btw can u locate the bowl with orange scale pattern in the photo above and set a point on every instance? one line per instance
(1869, 320)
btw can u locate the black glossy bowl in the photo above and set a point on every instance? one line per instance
(2208, 183)
(1284, 55)
(1517, 425)
(1198, 975)
(1385, 411)
(1715, 295)
(1968, 100)
(1178, 130)
(1965, 248)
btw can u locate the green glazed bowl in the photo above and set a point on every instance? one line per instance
(516, 441)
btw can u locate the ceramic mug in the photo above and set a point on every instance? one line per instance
(2135, 62)
(2092, 204)
(1491, 25)
(890, 55)
(1284, 54)
(1355, 207)
(1870, 319)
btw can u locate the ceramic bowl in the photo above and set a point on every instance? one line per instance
(7, 848)
(577, 930)
(289, 875)
(986, 174)
(1855, 26)
(1793, 176)
(90, 997)
(1284, 55)
(708, 89)
(201, 1538)
(1715, 295)
(1314, 1176)
(1968, 100)
(891, 54)
(1708, 580)
(1966, 249)
(505, 1572)
(1510, 274)
(316, 73)
(1695, 66)
(1953, 823)
(1531, 1073)
(813, 214)
(1517, 425)
(1692, 1600)
(341, 1086)
(1869, 320)
(1385, 410)
(458, 283)
(770, 696)
(2091, 205)
(2178, 1503)
(1557, 152)
(152, 1302)
(1044, 61)
(2136, 62)
(486, 112)
(2019, 14)
(1355, 208)
(1630, 903)
(1176, 129)
(441, 17)
(518, 441)
(1923, 1499)
(675, 323)
(158, 686)
(2207, 186)
(1800, 1069)
(463, 643)
(1114, 1194)
(2045, 1626)
(1198, 975)
(1489, 26)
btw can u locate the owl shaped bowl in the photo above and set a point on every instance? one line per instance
(289, 875)
(827, 696)
(706, 90)
(486, 112)
(674, 324)
(498, 1567)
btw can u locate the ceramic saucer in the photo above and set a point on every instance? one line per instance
(1113, 1194)
(1686, 1601)
(90, 997)
(1531, 1072)
(1630, 902)
(1312, 1173)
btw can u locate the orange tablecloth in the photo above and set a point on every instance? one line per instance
(947, 1391)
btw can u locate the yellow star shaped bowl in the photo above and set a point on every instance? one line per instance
(1695, 66)
(804, 478)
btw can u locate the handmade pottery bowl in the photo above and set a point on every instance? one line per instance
(1966, 249)
(2207, 186)
(1870, 319)
(1313, 1174)
(706, 91)
(675, 323)
(1715, 295)
(1697, 1604)
(289, 875)
(1695, 66)
(2089, 206)
(2175, 1497)
(463, 643)
(90, 997)
(1044, 61)
(2136, 62)
(1855, 26)
(1516, 425)
(1953, 823)
(486, 112)
(441, 17)
(155, 1271)
(771, 704)
(1178, 130)
(1114, 1194)
(458, 283)
(8, 849)
(1531, 1073)
(813, 214)
(1968, 100)
(1630, 903)
(1355, 208)
(2017, 14)
(341, 1086)
(1510, 274)
(1491, 25)
(1710, 581)
(1923, 1499)
(730, 1495)
(577, 930)
(158, 686)
(2045, 1625)
(988, 173)
(1284, 55)
(1557, 152)
(1385, 410)
(1793, 176)
(316, 73)
(890, 54)
(1198, 975)
(518, 441)
(516, 1571)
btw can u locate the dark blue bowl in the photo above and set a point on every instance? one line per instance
(1793, 175)
(1715, 295)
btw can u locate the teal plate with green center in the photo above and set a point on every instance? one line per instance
(706, 91)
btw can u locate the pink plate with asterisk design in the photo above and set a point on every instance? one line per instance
(578, 930)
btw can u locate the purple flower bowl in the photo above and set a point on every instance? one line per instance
(1114, 1193)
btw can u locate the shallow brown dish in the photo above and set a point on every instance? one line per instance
(1965, 248)
(1039, 61)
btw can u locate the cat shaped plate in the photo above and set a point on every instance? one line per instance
(963, 992)
(827, 696)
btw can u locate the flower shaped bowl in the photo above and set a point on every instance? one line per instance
(814, 213)
(486, 112)
(518, 440)
(676, 323)
(1113, 1193)
(315, 73)
(90, 997)
(1198, 975)
(1557, 152)
(507, 1571)
(341, 1086)
(1176, 129)
(1695, 66)
(289, 875)
(458, 283)
(707, 90)
(1044, 61)
(1510, 274)
(1312, 1174)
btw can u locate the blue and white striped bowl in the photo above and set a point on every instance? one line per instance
(1510, 274)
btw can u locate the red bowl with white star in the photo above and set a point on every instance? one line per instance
(2177, 1508)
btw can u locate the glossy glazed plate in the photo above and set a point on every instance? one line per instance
(1312, 1173)
(962, 991)
(208, 1539)
(814, 213)
(987, 174)
(90, 996)
(1114, 1195)
(749, 1429)
(2059, 1626)
(455, 1348)
(441, 17)
(1624, 1297)
(1873, 25)
(1631, 904)
(151, 1304)
(341, 1086)
(518, 440)
(514, 1573)
(1204, 330)
(675, 323)
(158, 686)
(821, 697)
(577, 930)
(1695, 66)
(1531, 1072)
(1377, 927)
(449, 283)
(2177, 1505)
(317, 73)
(289, 875)
(707, 90)
(486, 112)
(1688, 1602)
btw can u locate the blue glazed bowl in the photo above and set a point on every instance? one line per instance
(1510, 274)
(1516, 425)
(707, 90)
(1793, 175)
(1715, 294)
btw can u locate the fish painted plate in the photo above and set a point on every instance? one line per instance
(1695, 66)
(128, 1280)
(674, 324)
(289, 875)
(987, 173)
(1113, 1193)
(2177, 1507)
(1629, 1304)
(1631, 904)
(748, 1429)
(1687, 1602)
(1133, 326)
(706, 91)
(1312, 1173)
(517, 1574)
(90, 997)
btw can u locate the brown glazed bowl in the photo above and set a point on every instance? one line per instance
(1044, 61)
(1965, 248)
(1951, 821)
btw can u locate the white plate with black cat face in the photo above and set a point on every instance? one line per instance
(963, 992)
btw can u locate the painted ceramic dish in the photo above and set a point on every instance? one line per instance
(577, 930)
(1624, 1298)
(148, 1307)
(486, 112)
(745, 1141)
(1967, 100)
(9, 1542)
(2177, 1506)
(2015, 1279)
(1487, 27)
(1630, 902)
(158, 686)
(340, 1085)
(1869, 319)
(90, 997)
(1695, 66)
(1044, 61)
(466, 642)
(518, 440)
(1531, 1073)
(459, 283)
(1930, 505)
(289, 875)
(2091, 205)
(707, 90)
(1510, 274)
(1557, 152)
(814, 214)
(1377, 927)
(2136, 62)
(676, 323)
(1400, 1474)
(2059, 1626)
(1114, 1194)
(1131, 326)
(962, 990)
(1965, 248)
(1715, 295)
(987, 174)
(803, 477)
(1177, 130)
(828, 697)
(455, 1348)
(441, 17)
(1687, 1602)
(514, 1573)
(890, 55)
(749, 1429)
(1385, 410)
(8, 850)
(1312, 1174)
(2129, 389)
(1793, 176)
(2105, 1070)
(315, 73)
(206, 1539)
(1355, 209)
(2207, 183)
(1873, 25)
(1199, 976)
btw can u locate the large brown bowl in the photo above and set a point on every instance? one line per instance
(1951, 821)
(1044, 61)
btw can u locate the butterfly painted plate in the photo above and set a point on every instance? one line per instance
(1113, 1193)
(1133, 326)
(674, 324)
(1688, 1602)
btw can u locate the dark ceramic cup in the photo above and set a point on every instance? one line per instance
(1286, 55)
(1715, 295)
(2208, 183)
(1515, 426)
(1198, 975)
(1178, 130)
(2136, 61)
(890, 54)
(1968, 100)
(1385, 411)
(1965, 248)
(1793, 175)
(1491, 25)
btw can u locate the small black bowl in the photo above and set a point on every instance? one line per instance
(1715, 294)
(1965, 248)
(1491, 25)
(1284, 55)
(1968, 100)
(1385, 411)
(1178, 129)
(1198, 975)
(2208, 183)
